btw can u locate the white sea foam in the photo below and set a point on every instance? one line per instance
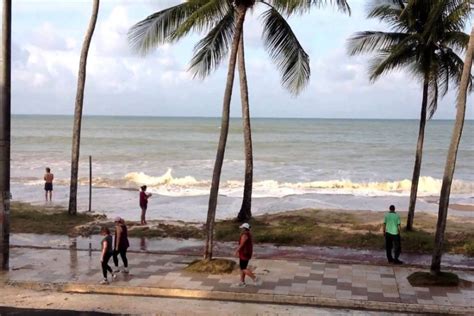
(166, 184)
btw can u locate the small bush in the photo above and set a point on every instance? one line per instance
(469, 248)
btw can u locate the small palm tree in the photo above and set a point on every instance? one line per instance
(425, 38)
(451, 159)
(76, 132)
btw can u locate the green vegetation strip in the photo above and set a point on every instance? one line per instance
(359, 230)
(26, 218)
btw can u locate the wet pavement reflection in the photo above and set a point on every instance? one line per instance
(262, 251)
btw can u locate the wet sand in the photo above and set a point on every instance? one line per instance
(462, 207)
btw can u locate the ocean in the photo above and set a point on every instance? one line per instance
(298, 163)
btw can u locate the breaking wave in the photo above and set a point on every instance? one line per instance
(166, 184)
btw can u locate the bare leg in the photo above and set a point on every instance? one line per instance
(242, 276)
(50, 196)
(143, 221)
(249, 273)
(46, 195)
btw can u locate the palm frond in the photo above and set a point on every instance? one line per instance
(286, 51)
(370, 41)
(157, 28)
(433, 97)
(288, 7)
(388, 12)
(210, 51)
(456, 40)
(203, 18)
(395, 58)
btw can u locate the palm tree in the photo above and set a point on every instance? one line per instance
(176, 22)
(219, 19)
(5, 129)
(289, 56)
(425, 38)
(451, 159)
(76, 136)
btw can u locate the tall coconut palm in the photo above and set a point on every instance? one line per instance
(451, 159)
(76, 132)
(281, 43)
(5, 133)
(219, 19)
(176, 22)
(425, 37)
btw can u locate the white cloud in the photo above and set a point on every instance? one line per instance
(45, 63)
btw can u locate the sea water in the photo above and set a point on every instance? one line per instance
(298, 163)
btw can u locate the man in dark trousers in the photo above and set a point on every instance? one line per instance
(391, 231)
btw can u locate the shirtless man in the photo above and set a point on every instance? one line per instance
(48, 184)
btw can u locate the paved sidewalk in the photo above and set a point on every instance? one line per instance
(283, 281)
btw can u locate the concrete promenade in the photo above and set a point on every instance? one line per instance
(299, 282)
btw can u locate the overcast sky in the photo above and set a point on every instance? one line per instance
(47, 38)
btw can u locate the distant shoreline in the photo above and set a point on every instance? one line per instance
(234, 117)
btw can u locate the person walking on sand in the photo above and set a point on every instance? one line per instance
(107, 252)
(48, 184)
(144, 196)
(391, 232)
(121, 244)
(244, 252)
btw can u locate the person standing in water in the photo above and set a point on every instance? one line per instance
(48, 184)
(144, 196)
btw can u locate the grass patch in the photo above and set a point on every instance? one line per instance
(325, 228)
(361, 230)
(214, 266)
(427, 279)
(167, 230)
(27, 218)
(469, 247)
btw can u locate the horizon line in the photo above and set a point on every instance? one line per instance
(237, 117)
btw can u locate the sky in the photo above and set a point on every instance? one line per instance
(48, 34)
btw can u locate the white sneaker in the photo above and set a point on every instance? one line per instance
(241, 284)
(104, 282)
(256, 282)
(114, 276)
(125, 270)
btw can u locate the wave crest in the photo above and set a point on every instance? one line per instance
(141, 178)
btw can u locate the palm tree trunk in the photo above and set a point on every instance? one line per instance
(245, 212)
(211, 212)
(76, 136)
(451, 159)
(419, 154)
(5, 130)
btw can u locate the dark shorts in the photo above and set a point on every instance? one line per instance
(243, 264)
(48, 187)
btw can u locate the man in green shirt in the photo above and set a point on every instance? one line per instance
(391, 231)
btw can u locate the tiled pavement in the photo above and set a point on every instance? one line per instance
(363, 284)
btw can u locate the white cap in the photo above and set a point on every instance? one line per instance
(117, 219)
(245, 225)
